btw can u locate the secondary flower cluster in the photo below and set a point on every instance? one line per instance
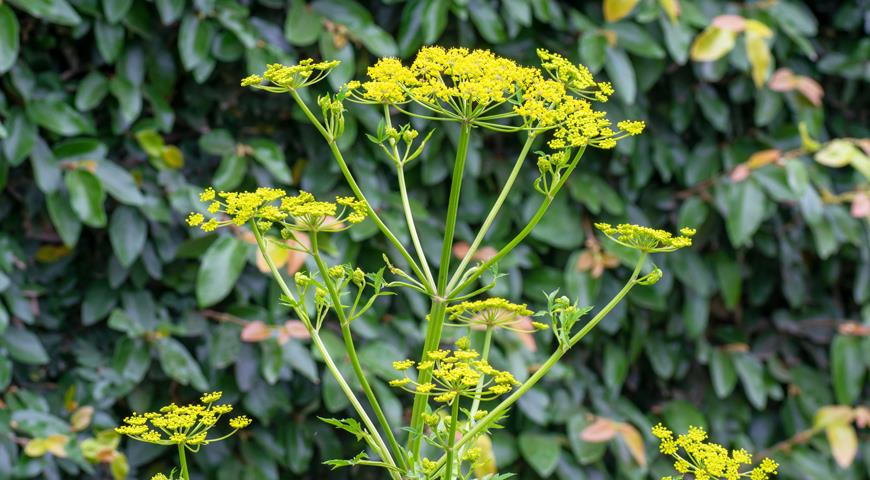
(302, 212)
(647, 239)
(306, 72)
(187, 425)
(456, 374)
(707, 460)
(493, 313)
(477, 86)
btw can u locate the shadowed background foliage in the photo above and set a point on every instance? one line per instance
(114, 113)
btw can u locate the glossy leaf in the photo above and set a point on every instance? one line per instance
(220, 267)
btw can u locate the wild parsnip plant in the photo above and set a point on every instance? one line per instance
(551, 107)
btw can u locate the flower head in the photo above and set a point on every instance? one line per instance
(186, 425)
(708, 460)
(282, 78)
(493, 313)
(644, 238)
(457, 373)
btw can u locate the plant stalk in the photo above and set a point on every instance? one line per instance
(351, 352)
(439, 307)
(451, 439)
(182, 460)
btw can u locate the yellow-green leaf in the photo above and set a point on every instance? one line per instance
(838, 153)
(172, 157)
(844, 443)
(615, 10)
(485, 465)
(671, 8)
(758, 52)
(712, 44)
(81, 418)
(754, 27)
(119, 467)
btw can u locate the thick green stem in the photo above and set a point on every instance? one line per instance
(348, 176)
(382, 449)
(439, 308)
(182, 460)
(487, 223)
(351, 351)
(451, 439)
(539, 214)
(502, 407)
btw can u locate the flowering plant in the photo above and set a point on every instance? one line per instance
(473, 91)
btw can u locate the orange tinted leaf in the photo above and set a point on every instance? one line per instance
(256, 331)
(633, 441)
(731, 23)
(844, 443)
(601, 430)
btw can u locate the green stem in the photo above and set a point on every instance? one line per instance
(439, 308)
(348, 176)
(182, 460)
(484, 356)
(451, 439)
(487, 223)
(351, 351)
(502, 407)
(406, 208)
(523, 233)
(383, 451)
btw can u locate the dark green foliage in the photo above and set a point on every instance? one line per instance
(114, 113)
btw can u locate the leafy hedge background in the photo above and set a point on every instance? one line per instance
(114, 113)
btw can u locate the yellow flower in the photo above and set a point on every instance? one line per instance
(159, 476)
(290, 77)
(644, 238)
(492, 313)
(195, 219)
(211, 397)
(240, 422)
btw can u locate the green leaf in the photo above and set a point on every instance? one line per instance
(19, 139)
(621, 74)
(435, 16)
(744, 208)
(636, 40)
(730, 280)
(848, 368)
(129, 100)
(679, 415)
(110, 40)
(119, 183)
(751, 373)
(194, 41)
(46, 171)
(116, 9)
(541, 451)
(98, 301)
(714, 109)
(270, 155)
(216, 142)
(64, 219)
(303, 25)
(127, 234)
(169, 10)
(722, 373)
(91, 91)
(180, 365)
(55, 11)
(593, 50)
(23, 346)
(678, 38)
(59, 118)
(559, 227)
(230, 172)
(86, 197)
(221, 266)
(487, 21)
(9, 42)
(616, 366)
(345, 70)
(585, 452)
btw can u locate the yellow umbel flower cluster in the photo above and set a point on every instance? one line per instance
(306, 72)
(647, 239)
(187, 425)
(470, 85)
(455, 374)
(707, 460)
(302, 212)
(493, 313)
